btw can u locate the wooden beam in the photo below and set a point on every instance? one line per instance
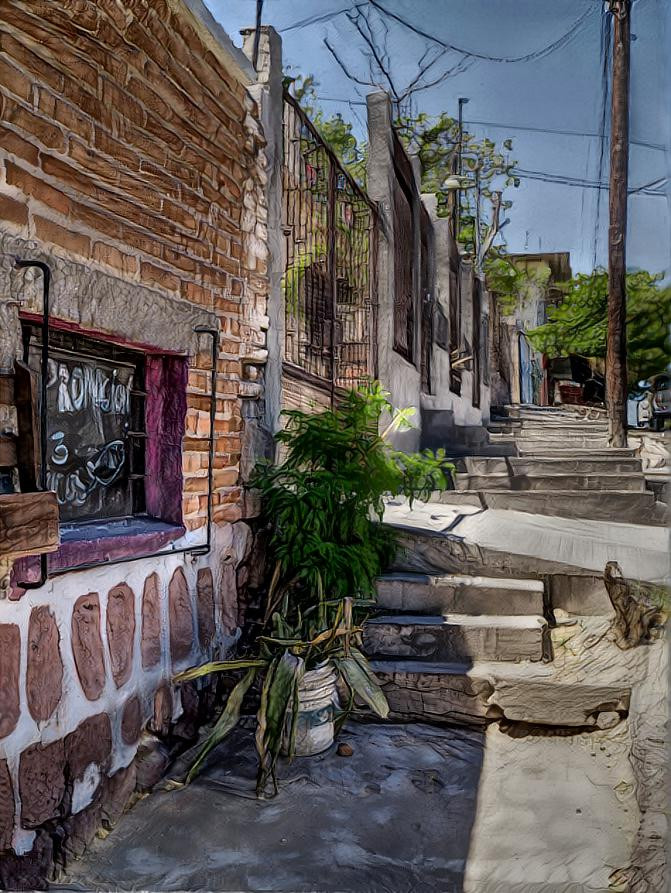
(28, 524)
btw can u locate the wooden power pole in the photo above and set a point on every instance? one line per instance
(616, 348)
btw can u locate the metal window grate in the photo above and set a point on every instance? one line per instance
(95, 425)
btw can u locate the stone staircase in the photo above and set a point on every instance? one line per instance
(554, 461)
(473, 624)
(461, 649)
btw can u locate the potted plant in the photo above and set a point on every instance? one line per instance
(325, 502)
(298, 711)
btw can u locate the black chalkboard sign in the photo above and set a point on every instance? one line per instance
(93, 419)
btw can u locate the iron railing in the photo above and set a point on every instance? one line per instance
(330, 230)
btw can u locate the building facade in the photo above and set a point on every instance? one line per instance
(133, 284)
(181, 258)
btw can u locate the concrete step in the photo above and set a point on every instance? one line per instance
(620, 506)
(457, 637)
(549, 465)
(525, 426)
(459, 594)
(542, 443)
(479, 692)
(568, 554)
(571, 452)
(566, 438)
(530, 410)
(533, 482)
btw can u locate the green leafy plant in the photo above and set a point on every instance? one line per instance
(579, 324)
(514, 284)
(326, 498)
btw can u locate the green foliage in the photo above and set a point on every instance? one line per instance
(325, 497)
(435, 139)
(512, 284)
(579, 325)
(335, 130)
(295, 274)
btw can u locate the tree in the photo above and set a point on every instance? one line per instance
(513, 284)
(435, 140)
(488, 168)
(370, 23)
(579, 325)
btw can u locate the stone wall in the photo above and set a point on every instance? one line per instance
(132, 163)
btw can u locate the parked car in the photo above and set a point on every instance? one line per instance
(660, 400)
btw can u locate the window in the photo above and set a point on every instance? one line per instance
(404, 286)
(95, 425)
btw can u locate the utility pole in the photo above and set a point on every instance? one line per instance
(616, 347)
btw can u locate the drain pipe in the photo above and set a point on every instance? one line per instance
(44, 375)
(214, 335)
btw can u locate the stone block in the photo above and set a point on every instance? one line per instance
(87, 646)
(160, 722)
(6, 806)
(41, 783)
(31, 871)
(116, 792)
(131, 720)
(181, 617)
(91, 742)
(79, 830)
(205, 605)
(44, 674)
(151, 762)
(121, 631)
(150, 643)
(10, 657)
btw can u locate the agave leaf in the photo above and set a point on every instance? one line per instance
(334, 633)
(278, 694)
(218, 666)
(342, 715)
(361, 680)
(226, 722)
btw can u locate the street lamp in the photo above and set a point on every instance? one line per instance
(462, 102)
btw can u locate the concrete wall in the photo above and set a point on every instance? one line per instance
(442, 411)
(449, 418)
(132, 162)
(401, 378)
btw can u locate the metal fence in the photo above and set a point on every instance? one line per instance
(330, 231)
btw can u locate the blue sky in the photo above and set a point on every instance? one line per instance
(559, 92)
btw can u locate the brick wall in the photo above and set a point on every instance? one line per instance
(131, 159)
(126, 141)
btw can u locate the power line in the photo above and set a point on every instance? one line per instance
(527, 57)
(526, 127)
(565, 180)
(318, 19)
